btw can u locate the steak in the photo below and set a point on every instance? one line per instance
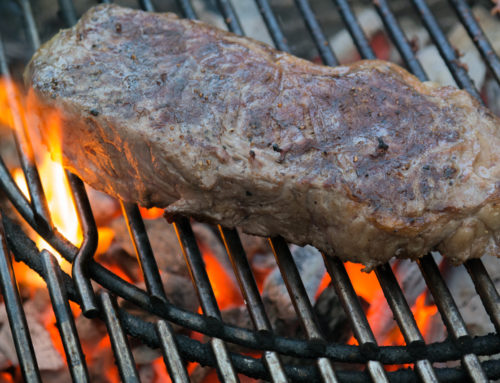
(362, 161)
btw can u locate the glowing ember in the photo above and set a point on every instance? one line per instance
(367, 287)
(225, 290)
(365, 284)
(151, 213)
(424, 312)
(161, 374)
(325, 282)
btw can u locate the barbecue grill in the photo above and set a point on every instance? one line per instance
(319, 357)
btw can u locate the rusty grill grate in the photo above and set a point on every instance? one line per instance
(177, 349)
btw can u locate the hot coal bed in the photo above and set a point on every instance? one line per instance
(256, 309)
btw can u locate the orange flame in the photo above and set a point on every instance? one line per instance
(367, 287)
(152, 213)
(225, 290)
(17, 109)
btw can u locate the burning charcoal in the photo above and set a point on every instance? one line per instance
(147, 373)
(413, 285)
(311, 267)
(104, 207)
(467, 299)
(59, 376)
(410, 279)
(199, 374)
(331, 316)
(179, 291)
(102, 365)
(255, 245)
(97, 349)
(145, 355)
(90, 332)
(275, 295)
(163, 242)
(6, 378)
(6, 351)
(120, 262)
(37, 310)
(208, 241)
(238, 316)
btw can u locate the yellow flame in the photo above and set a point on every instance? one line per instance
(61, 206)
(31, 112)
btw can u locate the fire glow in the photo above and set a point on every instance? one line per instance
(368, 289)
(17, 111)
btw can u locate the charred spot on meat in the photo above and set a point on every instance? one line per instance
(363, 161)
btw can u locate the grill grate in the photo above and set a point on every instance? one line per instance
(179, 348)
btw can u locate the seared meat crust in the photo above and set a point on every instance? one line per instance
(361, 161)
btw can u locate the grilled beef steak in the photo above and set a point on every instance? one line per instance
(361, 161)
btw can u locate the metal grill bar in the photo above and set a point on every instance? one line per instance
(357, 317)
(205, 294)
(64, 319)
(15, 195)
(355, 30)
(39, 208)
(486, 290)
(30, 23)
(405, 319)
(68, 12)
(15, 314)
(477, 35)
(398, 37)
(252, 297)
(447, 52)
(317, 34)
(230, 17)
(119, 343)
(450, 314)
(171, 355)
(147, 5)
(277, 35)
(300, 301)
(87, 250)
(187, 9)
(25, 251)
(143, 251)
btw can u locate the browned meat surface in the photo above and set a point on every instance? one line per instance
(361, 161)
